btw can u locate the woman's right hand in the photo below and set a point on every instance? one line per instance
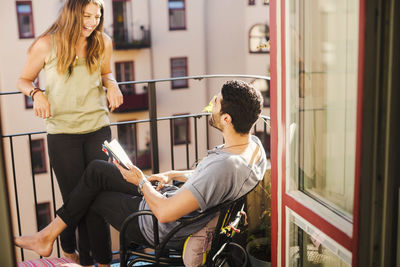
(41, 105)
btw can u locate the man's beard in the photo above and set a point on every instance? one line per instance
(213, 122)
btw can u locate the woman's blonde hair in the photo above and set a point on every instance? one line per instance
(67, 29)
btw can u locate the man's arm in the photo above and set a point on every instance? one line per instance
(169, 209)
(166, 177)
(165, 209)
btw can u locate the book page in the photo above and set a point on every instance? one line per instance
(119, 153)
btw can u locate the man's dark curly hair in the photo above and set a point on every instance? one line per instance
(243, 103)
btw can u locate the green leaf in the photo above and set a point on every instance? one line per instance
(210, 105)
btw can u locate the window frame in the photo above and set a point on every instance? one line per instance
(172, 28)
(32, 26)
(186, 82)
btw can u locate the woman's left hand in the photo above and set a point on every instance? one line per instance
(114, 97)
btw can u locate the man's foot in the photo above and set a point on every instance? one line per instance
(37, 242)
(72, 256)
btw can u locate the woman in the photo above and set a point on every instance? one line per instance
(76, 57)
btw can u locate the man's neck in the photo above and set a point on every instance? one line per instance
(234, 139)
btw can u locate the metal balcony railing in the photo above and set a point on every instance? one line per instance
(125, 39)
(152, 121)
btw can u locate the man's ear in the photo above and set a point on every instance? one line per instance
(226, 118)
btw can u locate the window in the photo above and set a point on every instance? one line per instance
(38, 156)
(181, 130)
(127, 136)
(258, 39)
(310, 247)
(179, 69)
(125, 72)
(29, 100)
(252, 2)
(122, 32)
(43, 217)
(177, 19)
(322, 101)
(25, 19)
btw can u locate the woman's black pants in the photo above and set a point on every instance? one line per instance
(69, 155)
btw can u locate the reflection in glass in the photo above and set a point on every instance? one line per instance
(322, 79)
(310, 247)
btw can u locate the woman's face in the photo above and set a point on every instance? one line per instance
(91, 19)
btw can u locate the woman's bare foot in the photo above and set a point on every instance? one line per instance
(37, 242)
(42, 242)
(72, 256)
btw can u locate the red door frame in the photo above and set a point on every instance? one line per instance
(274, 133)
(350, 243)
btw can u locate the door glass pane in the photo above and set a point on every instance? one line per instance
(119, 21)
(310, 247)
(322, 100)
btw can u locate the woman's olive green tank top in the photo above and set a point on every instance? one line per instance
(78, 102)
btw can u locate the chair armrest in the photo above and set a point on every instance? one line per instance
(124, 227)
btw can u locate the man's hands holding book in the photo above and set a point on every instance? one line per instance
(134, 175)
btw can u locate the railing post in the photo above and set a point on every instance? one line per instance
(153, 127)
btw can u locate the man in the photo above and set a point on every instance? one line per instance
(228, 172)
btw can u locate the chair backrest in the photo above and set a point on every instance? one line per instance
(227, 215)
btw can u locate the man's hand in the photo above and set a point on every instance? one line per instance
(161, 178)
(134, 175)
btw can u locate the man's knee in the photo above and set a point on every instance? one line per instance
(95, 169)
(97, 164)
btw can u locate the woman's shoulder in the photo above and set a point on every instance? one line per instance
(108, 45)
(43, 44)
(107, 39)
(41, 48)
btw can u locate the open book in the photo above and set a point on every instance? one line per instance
(115, 151)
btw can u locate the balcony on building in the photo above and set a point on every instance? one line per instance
(136, 97)
(125, 38)
(134, 102)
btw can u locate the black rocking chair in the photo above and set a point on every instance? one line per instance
(229, 217)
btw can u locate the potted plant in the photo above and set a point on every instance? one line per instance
(259, 229)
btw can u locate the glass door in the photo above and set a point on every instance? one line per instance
(320, 50)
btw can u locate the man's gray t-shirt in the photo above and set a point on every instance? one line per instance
(221, 176)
